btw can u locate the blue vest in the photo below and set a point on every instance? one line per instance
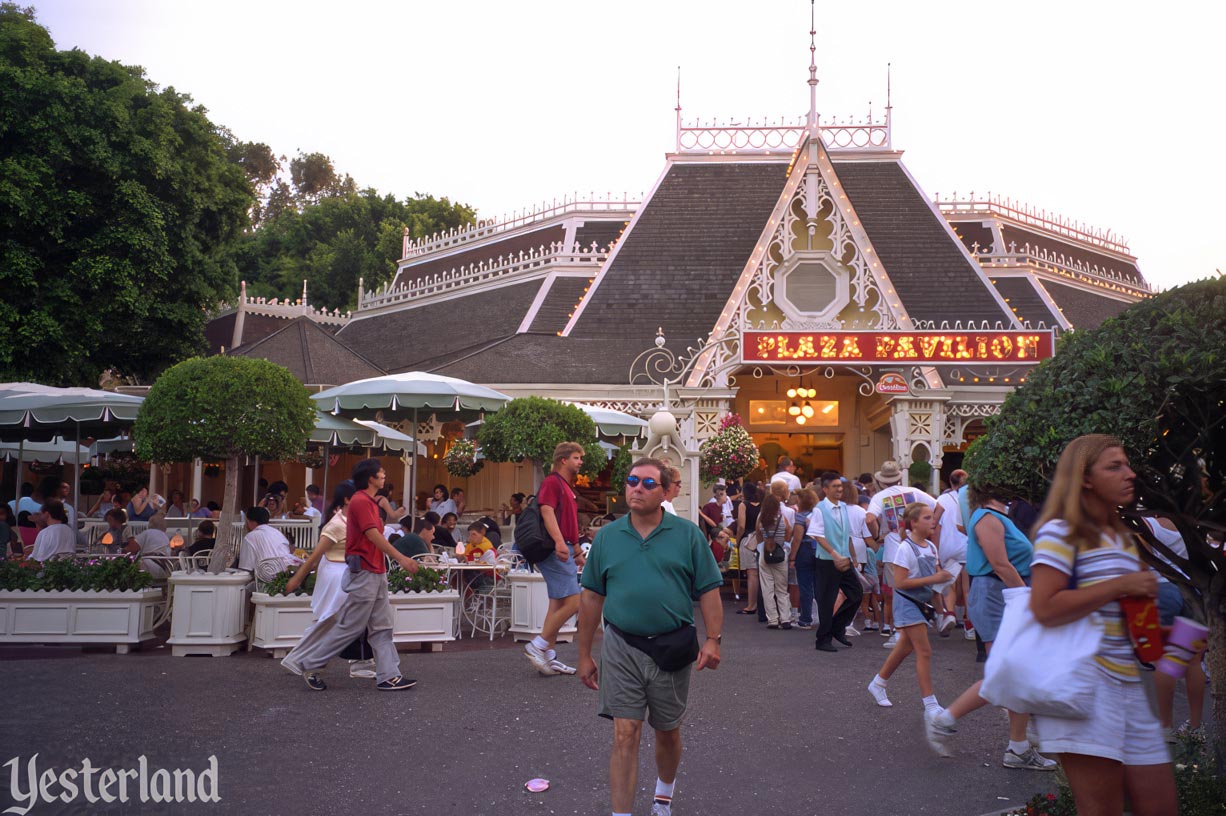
(836, 531)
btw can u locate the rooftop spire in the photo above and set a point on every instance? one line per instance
(812, 63)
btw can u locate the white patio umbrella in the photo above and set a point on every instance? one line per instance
(406, 396)
(32, 412)
(612, 423)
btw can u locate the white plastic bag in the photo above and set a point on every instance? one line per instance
(1037, 669)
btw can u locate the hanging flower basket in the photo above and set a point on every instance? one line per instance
(730, 454)
(461, 458)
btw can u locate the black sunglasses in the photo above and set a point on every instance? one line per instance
(648, 484)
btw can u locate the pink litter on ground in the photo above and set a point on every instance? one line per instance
(537, 785)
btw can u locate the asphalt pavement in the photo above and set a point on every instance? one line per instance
(778, 729)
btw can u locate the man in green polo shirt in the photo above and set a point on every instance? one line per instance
(643, 573)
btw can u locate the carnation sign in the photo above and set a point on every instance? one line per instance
(892, 383)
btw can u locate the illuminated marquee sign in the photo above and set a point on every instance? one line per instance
(927, 348)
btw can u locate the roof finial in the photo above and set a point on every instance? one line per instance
(889, 111)
(812, 63)
(678, 109)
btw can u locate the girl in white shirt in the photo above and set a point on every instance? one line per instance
(915, 570)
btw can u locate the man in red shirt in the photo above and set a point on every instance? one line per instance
(560, 517)
(365, 608)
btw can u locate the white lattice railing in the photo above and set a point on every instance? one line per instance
(1060, 264)
(524, 263)
(542, 212)
(303, 534)
(782, 136)
(1026, 214)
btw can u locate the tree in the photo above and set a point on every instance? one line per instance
(531, 427)
(224, 408)
(118, 210)
(332, 238)
(1155, 377)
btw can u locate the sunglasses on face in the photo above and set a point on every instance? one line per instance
(648, 484)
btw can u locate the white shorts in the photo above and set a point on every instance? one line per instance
(1122, 727)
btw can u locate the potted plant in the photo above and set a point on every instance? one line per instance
(461, 459)
(281, 619)
(103, 600)
(423, 607)
(729, 454)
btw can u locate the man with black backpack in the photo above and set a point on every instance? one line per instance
(559, 516)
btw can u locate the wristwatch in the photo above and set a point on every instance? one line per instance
(719, 639)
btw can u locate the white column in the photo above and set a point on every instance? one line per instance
(153, 479)
(197, 480)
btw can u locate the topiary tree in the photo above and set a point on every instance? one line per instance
(1155, 377)
(531, 427)
(224, 408)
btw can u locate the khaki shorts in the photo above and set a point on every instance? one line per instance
(748, 550)
(633, 687)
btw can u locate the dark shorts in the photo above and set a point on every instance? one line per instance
(1170, 603)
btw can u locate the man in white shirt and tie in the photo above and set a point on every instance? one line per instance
(830, 528)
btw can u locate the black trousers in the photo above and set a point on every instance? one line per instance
(829, 581)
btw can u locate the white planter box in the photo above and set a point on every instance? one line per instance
(280, 621)
(209, 612)
(122, 618)
(529, 605)
(424, 617)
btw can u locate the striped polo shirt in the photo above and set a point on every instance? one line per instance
(1112, 558)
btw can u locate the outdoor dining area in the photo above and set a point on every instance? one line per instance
(193, 596)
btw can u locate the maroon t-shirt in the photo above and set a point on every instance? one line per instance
(555, 492)
(363, 516)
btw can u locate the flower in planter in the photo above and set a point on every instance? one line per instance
(424, 580)
(121, 574)
(729, 454)
(277, 585)
(461, 458)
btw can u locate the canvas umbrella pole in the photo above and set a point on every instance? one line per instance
(21, 455)
(411, 499)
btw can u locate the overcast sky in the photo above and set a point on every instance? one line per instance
(1109, 113)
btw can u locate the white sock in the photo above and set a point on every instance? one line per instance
(878, 681)
(540, 643)
(1019, 748)
(930, 702)
(943, 717)
(615, 813)
(665, 788)
(551, 654)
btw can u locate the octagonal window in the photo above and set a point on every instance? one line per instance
(812, 288)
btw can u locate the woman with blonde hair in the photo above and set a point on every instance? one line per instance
(1085, 562)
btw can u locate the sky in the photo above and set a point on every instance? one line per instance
(1108, 113)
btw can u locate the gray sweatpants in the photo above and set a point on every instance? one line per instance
(365, 609)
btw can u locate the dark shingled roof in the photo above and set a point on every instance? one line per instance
(311, 353)
(558, 304)
(1084, 310)
(543, 358)
(678, 263)
(972, 233)
(1073, 252)
(506, 247)
(602, 232)
(411, 338)
(934, 279)
(1025, 302)
(219, 332)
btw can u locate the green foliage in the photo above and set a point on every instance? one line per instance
(277, 585)
(1129, 377)
(119, 208)
(424, 580)
(219, 407)
(920, 473)
(332, 235)
(531, 427)
(120, 574)
(622, 460)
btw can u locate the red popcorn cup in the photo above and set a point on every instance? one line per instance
(1141, 617)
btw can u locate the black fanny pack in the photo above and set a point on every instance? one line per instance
(671, 651)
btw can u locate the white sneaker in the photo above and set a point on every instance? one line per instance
(969, 633)
(559, 667)
(937, 733)
(878, 692)
(852, 631)
(885, 630)
(948, 622)
(660, 807)
(870, 627)
(891, 642)
(538, 658)
(361, 668)
(1032, 760)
